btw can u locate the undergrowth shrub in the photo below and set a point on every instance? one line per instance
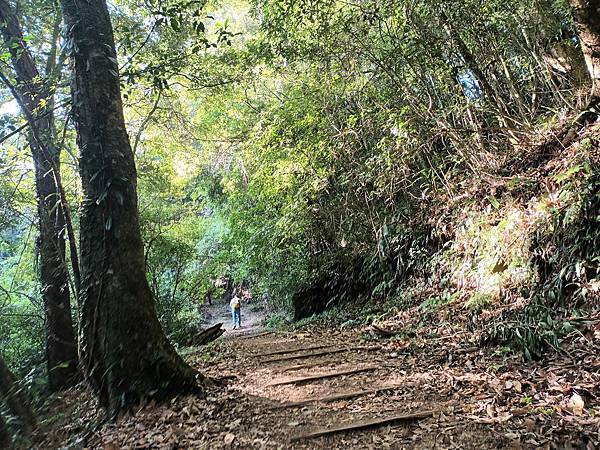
(566, 256)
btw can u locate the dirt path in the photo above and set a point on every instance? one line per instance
(471, 398)
(253, 313)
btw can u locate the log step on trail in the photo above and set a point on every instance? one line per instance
(307, 366)
(341, 396)
(319, 363)
(322, 376)
(292, 350)
(362, 424)
(321, 353)
(254, 335)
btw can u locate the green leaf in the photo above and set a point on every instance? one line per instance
(567, 174)
(494, 202)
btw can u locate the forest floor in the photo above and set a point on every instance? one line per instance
(463, 397)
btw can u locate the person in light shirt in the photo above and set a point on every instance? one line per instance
(236, 306)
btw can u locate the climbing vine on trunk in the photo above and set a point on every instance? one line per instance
(125, 354)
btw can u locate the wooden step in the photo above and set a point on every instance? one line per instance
(362, 424)
(322, 376)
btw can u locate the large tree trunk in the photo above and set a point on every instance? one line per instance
(124, 352)
(587, 19)
(37, 101)
(18, 403)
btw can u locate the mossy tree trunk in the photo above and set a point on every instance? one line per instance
(124, 352)
(37, 102)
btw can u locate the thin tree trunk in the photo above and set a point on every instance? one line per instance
(469, 58)
(124, 352)
(587, 19)
(17, 402)
(36, 100)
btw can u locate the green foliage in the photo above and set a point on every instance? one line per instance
(531, 332)
(338, 168)
(565, 249)
(286, 144)
(566, 257)
(434, 303)
(21, 314)
(275, 321)
(479, 301)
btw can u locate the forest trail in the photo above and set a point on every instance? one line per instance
(281, 390)
(253, 313)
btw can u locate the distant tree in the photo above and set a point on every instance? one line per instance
(587, 19)
(125, 354)
(37, 102)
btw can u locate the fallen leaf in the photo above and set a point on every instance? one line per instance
(520, 412)
(229, 437)
(233, 425)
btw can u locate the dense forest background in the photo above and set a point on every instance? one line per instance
(373, 157)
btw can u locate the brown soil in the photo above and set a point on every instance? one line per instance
(481, 399)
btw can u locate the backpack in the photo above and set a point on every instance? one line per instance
(235, 303)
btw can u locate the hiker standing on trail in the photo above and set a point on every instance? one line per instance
(236, 315)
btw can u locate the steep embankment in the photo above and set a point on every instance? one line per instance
(512, 256)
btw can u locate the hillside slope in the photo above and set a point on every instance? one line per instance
(514, 257)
